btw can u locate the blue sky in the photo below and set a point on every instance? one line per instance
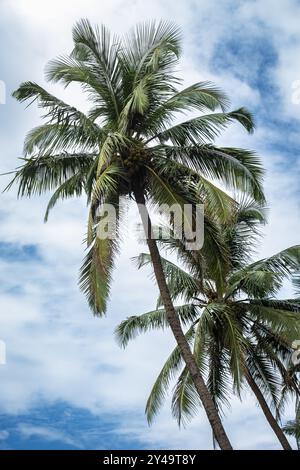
(66, 383)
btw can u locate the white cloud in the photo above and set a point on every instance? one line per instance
(48, 434)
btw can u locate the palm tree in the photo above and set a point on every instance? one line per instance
(129, 144)
(238, 330)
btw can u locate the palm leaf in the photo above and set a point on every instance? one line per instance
(159, 390)
(156, 319)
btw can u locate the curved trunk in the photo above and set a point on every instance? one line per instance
(175, 326)
(267, 412)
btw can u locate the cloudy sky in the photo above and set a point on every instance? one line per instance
(66, 383)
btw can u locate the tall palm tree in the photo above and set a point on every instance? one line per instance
(131, 143)
(239, 331)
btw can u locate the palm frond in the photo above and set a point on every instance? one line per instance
(264, 278)
(161, 385)
(94, 64)
(200, 96)
(180, 282)
(238, 169)
(96, 271)
(73, 187)
(39, 174)
(285, 262)
(156, 319)
(296, 283)
(285, 322)
(202, 129)
(51, 138)
(185, 400)
(57, 111)
(265, 377)
(151, 46)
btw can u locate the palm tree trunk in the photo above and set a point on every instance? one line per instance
(267, 412)
(175, 326)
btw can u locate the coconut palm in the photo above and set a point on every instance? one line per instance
(132, 143)
(239, 331)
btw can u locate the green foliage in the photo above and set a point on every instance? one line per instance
(132, 326)
(238, 327)
(127, 140)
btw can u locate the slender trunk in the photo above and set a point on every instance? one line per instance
(267, 412)
(175, 326)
